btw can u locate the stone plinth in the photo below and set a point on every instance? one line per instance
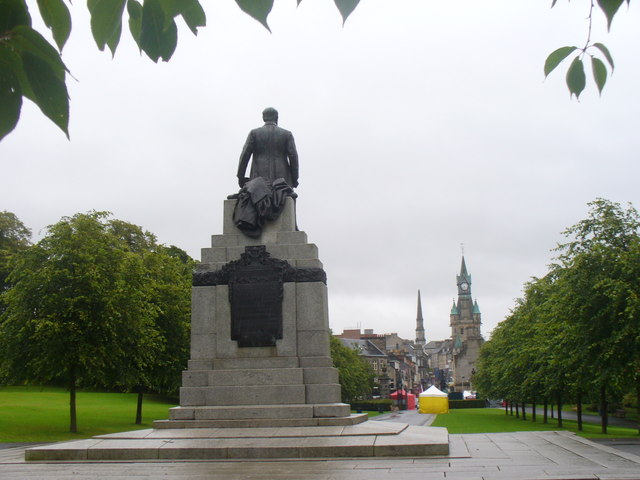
(290, 383)
(371, 439)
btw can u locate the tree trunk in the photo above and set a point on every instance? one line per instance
(73, 419)
(559, 410)
(511, 408)
(551, 408)
(517, 410)
(524, 413)
(506, 404)
(579, 400)
(545, 415)
(533, 409)
(139, 407)
(604, 414)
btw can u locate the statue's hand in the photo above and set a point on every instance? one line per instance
(295, 184)
(242, 181)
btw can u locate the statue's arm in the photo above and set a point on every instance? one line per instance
(247, 150)
(292, 153)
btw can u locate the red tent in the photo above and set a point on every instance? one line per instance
(402, 395)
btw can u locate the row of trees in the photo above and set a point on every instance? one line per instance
(574, 337)
(96, 303)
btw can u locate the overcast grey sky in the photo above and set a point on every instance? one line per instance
(420, 125)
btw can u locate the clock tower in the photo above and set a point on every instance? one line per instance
(466, 335)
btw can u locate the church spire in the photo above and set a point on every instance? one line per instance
(463, 280)
(420, 338)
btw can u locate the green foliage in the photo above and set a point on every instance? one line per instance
(14, 238)
(576, 78)
(31, 67)
(356, 375)
(97, 303)
(576, 332)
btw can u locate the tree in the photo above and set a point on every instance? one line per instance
(355, 373)
(77, 309)
(14, 238)
(602, 264)
(31, 67)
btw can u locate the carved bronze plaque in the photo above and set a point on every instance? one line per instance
(255, 293)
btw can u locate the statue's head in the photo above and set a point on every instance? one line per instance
(270, 114)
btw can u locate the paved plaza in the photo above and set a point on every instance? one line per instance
(518, 456)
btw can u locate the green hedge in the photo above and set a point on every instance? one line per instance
(453, 404)
(382, 404)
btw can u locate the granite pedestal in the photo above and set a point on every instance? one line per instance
(290, 383)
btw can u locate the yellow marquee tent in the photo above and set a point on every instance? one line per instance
(433, 401)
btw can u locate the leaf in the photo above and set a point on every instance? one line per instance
(576, 79)
(610, 7)
(12, 14)
(115, 39)
(10, 94)
(346, 7)
(258, 9)
(10, 60)
(193, 15)
(106, 20)
(26, 39)
(56, 16)
(553, 3)
(599, 73)
(191, 12)
(606, 53)
(134, 9)
(50, 91)
(554, 59)
(155, 40)
(170, 9)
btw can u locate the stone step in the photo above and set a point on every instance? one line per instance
(261, 376)
(248, 363)
(262, 412)
(370, 439)
(262, 422)
(248, 377)
(243, 395)
(235, 412)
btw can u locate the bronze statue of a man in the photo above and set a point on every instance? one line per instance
(274, 152)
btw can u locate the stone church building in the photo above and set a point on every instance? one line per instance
(453, 360)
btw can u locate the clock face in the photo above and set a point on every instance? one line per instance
(464, 286)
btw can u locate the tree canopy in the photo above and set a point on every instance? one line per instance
(14, 237)
(576, 331)
(32, 67)
(96, 303)
(355, 374)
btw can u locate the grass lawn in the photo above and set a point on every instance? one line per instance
(493, 420)
(41, 414)
(370, 413)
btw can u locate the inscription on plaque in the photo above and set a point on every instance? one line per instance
(255, 293)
